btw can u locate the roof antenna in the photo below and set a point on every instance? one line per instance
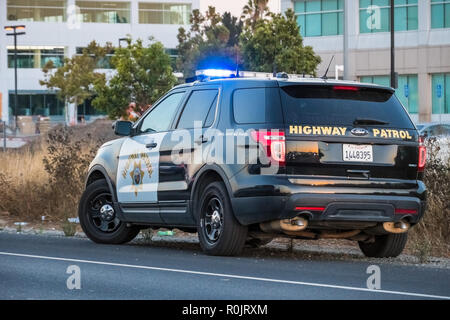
(237, 65)
(326, 72)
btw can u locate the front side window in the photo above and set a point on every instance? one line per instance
(200, 105)
(104, 12)
(374, 15)
(160, 118)
(440, 14)
(36, 10)
(319, 17)
(164, 13)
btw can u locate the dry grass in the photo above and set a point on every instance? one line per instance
(46, 178)
(432, 235)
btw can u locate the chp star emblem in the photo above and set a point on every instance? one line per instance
(137, 176)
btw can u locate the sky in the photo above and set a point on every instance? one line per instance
(234, 6)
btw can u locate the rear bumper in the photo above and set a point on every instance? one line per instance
(338, 204)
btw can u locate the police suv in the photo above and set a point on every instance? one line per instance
(241, 161)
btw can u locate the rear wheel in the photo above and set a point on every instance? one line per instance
(385, 246)
(218, 230)
(98, 218)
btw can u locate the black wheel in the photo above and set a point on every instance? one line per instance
(385, 246)
(98, 218)
(218, 230)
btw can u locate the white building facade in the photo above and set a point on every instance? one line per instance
(61, 28)
(422, 41)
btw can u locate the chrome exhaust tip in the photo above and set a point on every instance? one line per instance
(396, 227)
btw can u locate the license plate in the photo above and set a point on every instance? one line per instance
(357, 152)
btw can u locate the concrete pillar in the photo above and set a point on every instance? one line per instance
(424, 78)
(425, 97)
(4, 63)
(286, 4)
(134, 8)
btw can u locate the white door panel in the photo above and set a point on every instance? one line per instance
(138, 168)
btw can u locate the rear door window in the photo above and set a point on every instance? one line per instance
(257, 105)
(328, 105)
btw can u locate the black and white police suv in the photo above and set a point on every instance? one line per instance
(241, 161)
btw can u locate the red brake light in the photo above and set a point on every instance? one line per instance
(348, 88)
(405, 211)
(310, 208)
(274, 143)
(422, 155)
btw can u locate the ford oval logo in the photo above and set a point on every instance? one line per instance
(359, 132)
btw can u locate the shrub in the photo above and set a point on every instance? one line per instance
(47, 177)
(433, 232)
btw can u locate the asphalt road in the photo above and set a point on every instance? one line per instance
(35, 267)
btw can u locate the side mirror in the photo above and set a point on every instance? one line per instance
(123, 128)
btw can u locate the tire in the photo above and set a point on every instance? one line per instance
(108, 228)
(215, 213)
(385, 246)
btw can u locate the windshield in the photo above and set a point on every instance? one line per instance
(330, 105)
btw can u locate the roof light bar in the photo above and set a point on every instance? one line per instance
(216, 73)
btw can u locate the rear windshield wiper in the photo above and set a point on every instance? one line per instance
(368, 121)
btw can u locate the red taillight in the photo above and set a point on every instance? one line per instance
(310, 208)
(348, 88)
(405, 211)
(422, 155)
(274, 143)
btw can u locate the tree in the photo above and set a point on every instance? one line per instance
(143, 75)
(275, 44)
(212, 41)
(254, 11)
(75, 80)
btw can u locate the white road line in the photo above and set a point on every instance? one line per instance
(222, 275)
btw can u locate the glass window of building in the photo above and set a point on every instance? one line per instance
(319, 17)
(173, 53)
(37, 103)
(441, 92)
(104, 12)
(164, 13)
(36, 10)
(36, 57)
(440, 14)
(374, 15)
(407, 91)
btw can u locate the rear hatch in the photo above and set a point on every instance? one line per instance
(356, 132)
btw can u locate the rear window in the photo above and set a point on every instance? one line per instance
(323, 105)
(257, 105)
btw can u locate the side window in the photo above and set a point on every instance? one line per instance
(257, 105)
(161, 116)
(200, 104)
(211, 114)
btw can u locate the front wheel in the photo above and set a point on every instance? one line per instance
(218, 230)
(385, 246)
(98, 218)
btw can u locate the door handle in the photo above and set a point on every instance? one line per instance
(151, 145)
(201, 139)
